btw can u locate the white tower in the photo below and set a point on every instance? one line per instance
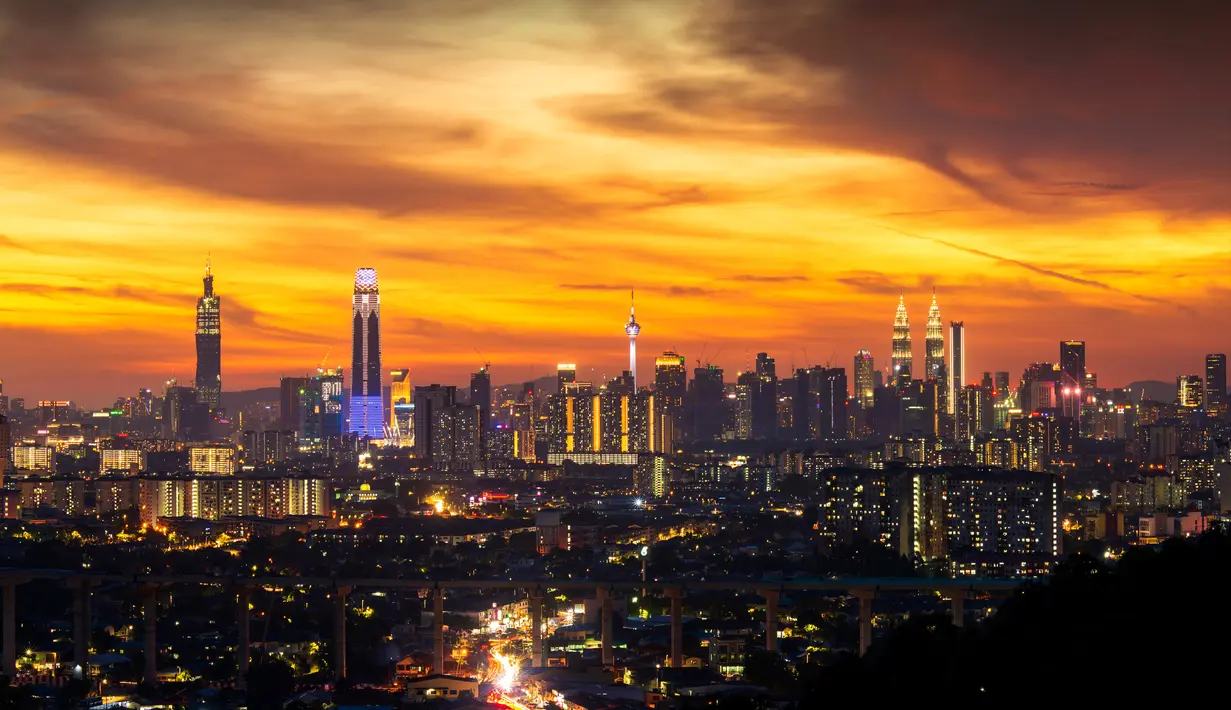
(632, 329)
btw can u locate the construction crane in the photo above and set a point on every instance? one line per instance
(321, 367)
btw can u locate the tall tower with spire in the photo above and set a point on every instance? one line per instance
(934, 343)
(209, 344)
(632, 329)
(901, 341)
(366, 401)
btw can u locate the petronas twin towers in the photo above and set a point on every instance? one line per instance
(951, 377)
(934, 342)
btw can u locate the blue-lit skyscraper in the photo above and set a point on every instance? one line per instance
(366, 404)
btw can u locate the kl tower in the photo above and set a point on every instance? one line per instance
(632, 329)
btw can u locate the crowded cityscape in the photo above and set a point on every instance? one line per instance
(560, 543)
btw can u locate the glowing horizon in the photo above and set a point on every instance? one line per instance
(764, 184)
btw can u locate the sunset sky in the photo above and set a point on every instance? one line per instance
(769, 175)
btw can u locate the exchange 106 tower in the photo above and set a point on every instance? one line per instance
(366, 410)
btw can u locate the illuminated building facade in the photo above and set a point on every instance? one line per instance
(455, 438)
(121, 460)
(934, 344)
(1189, 390)
(329, 383)
(1216, 384)
(216, 460)
(34, 458)
(209, 345)
(6, 446)
(865, 379)
(566, 373)
(957, 362)
(670, 388)
(401, 407)
(901, 360)
(650, 476)
(366, 405)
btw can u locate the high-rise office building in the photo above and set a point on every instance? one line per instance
(481, 398)
(670, 387)
(974, 415)
(400, 392)
(1216, 384)
(184, 417)
(1071, 377)
(934, 344)
(632, 329)
(428, 401)
(209, 345)
(1188, 391)
(481, 394)
(670, 381)
(1072, 363)
(1001, 387)
(901, 343)
(707, 403)
(957, 363)
(1034, 373)
(818, 403)
(566, 372)
(295, 399)
(764, 398)
(865, 379)
(330, 384)
(366, 403)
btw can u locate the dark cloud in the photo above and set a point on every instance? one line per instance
(1052, 105)
(873, 282)
(668, 290)
(1042, 270)
(766, 278)
(593, 287)
(141, 105)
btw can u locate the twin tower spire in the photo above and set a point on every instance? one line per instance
(934, 343)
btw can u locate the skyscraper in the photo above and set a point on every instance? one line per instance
(1216, 384)
(429, 401)
(957, 363)
(1072, 363)
(632, 329)
(366, 406)
(670, 386)
(707, 403)
(934, 344)
(6, 446)
(865, 380)
(565, 373)
(481, 399)
(670, 381)
(209, 344)
(764, 399)
(401, 406)
(1188, 391)
(901, 342)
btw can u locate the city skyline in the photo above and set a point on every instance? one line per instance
(364, 282)
(512, 190)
